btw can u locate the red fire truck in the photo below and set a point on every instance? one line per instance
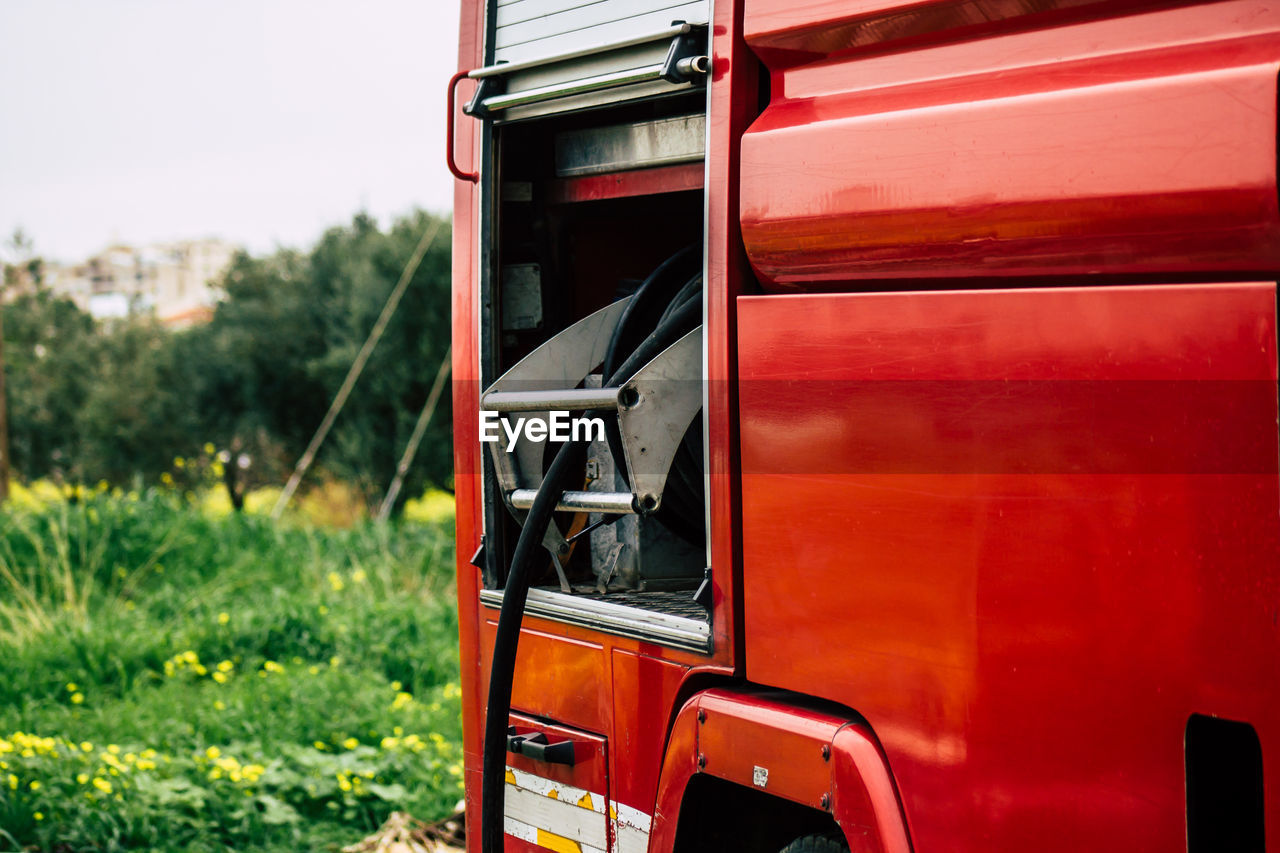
(926, 353)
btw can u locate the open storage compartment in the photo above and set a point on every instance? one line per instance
(581, 207)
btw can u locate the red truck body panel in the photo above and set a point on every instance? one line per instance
(1026, 534)
(1138, 145)
(991, 414)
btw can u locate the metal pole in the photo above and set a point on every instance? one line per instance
(357, 366)
(415, 438)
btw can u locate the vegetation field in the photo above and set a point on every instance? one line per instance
(174, 678)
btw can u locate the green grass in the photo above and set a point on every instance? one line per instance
(175, 681)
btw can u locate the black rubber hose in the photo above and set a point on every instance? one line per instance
(692, 290)
(567, 464)
(568, 461)
(649, 303)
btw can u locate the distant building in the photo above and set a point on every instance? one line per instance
(170, 281)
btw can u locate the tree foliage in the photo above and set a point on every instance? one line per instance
(120, 402)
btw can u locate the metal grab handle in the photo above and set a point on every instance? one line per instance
(611, 80)
(535, 747)
(473, 177)
(683, 64)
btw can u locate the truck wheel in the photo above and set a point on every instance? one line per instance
(817, 844)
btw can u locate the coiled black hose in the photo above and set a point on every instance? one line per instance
(567, 464)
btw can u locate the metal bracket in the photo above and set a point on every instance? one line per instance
(655, 407)
(487, 87)
(560, 363)
(685, 62)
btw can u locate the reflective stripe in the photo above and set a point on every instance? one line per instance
(568, 819)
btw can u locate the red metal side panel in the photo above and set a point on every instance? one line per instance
(763, 742)
(1136, 145)
(560, 678)
(644, 697)
(792, 30)
(1026, 534)
(466, 400)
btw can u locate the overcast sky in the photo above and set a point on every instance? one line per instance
(260, 121)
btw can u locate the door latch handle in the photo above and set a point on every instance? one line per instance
(536, 747)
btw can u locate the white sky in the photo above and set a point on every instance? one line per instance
(260, 121)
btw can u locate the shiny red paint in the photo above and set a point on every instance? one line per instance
(679, 764)
(666, 179)
(739, 732)
(644, 689)
(1027, 618)
(864, 800)
(822, 758)
(466, 400)
(1142, 144)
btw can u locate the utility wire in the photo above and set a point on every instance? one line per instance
(419, 429)
(357, 366)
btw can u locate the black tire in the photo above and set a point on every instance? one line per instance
(817, 844)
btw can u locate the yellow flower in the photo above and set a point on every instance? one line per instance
(35, 786)
(320, 745)
(322, 610)
(397, 686)
(389, 743)
(335, 582)
(219, 705)
(335, 661)
(77, 698)
(209, 449)
(358, 576)
(224, 618)
(402, 699)
(344, 783)
(38, 815)
(314, 670)
(220, 677)
(200, 670)
(166, 478)
(226, 666)
(102, 785)
(213, 752)
(113, 749)
(179, 462)
(82, 778)
(350, 743)
(71, 687)
(272, 666)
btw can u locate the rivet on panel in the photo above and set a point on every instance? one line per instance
(826, 752)
(702, 716)
(702, 761)
(826, 801)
